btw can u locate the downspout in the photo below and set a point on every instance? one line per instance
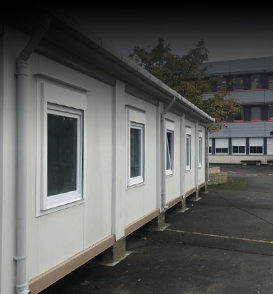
(21, 283)
(207, 156)
(163, 155)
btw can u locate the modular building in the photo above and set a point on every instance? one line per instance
(92, 147)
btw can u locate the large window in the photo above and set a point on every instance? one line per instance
(169, 152)
(256, 146)
(238, 146)
(256, 113)
(221, 146)
(64, 155)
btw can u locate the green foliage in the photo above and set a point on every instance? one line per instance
(187, 75)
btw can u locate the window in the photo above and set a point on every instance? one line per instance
(136, 153)
(255, 82)
(270, 112)
(238, 116)
(221, 146)
(222, 84)
(238, 84)
(210, 146)
(169, 152)
(256, 113)
(238, 146)
(200, 154)
(188, 152)
(256, 145)
(270, 82)
(136, 146)
(63, 155)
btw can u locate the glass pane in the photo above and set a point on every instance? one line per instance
(188, 150)
(61, 154)
(168, 151)
(234, 149)
(242, 149)
(259, 149)
(135, 149)
(200, 150)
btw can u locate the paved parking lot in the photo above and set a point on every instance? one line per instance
(222, 244)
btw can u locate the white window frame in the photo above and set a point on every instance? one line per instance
(72, 196)
(169, 152)
(256, 142)
(221, 143)
(238, 142)
(200, 151)
(140, 178)
(188, 151)
(136, 118)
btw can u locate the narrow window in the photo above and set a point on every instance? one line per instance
(169, 151)
(200, 152)
(255, 82)
(64, 155)
(136, 158)
(188, 152)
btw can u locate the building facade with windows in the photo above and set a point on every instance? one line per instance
(247, 135)
(92, 147)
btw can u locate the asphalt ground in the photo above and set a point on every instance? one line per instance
(223, 244)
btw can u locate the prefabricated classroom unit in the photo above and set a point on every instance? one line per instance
(92, 147)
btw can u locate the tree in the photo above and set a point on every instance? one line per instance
(188, 76)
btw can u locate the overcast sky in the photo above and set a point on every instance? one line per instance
(228, 34)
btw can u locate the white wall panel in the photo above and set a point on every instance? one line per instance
(189, 174)
(142, 199)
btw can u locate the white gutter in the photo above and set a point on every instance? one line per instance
(163, 155)
(21, 283)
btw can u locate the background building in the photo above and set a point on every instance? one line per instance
(246, 135)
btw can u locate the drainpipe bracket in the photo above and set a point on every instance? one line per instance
(19, 258)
